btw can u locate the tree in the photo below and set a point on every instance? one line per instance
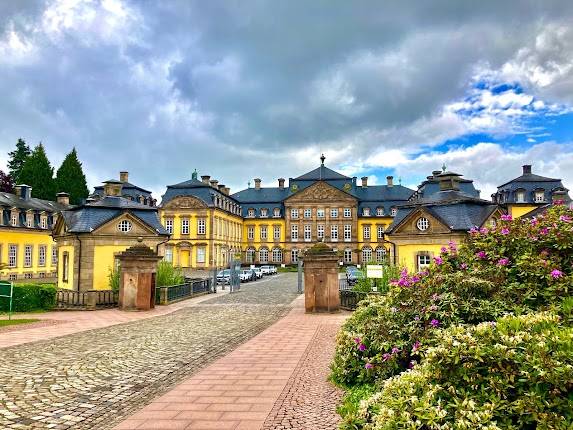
(39, 174)
(17, 159)
(6, 183)
(70, 178)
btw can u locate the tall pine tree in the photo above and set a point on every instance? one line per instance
(39, 174)
(71, 179)
(17, 159)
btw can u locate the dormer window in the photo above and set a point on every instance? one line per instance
(366, 212)
(520, 196)
(264, 212)
(14, 218)
(251, 213)
(29, 220)
(379, 211)
(393, 211)
(276, 212)
(43, 221)
(539, 196)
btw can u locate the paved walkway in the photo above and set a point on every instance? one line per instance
(276, 380)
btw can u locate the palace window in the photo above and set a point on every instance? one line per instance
(54, 255)
(294, 255)
(366, 212)
(334, 233)
(320, 213)
(277, 232)
(251, 232)
(200, 254)
(380, 254)
(29, 220)
(264, 232)
(168, 254)
(276, 212)
(277, 255)
(347, 232)
(347, 213)
(169, 225)
(264, 213)
(28, 256)
(366, 231)
(334, 213)
(379, 211)
(539, 196)
(12, 255)
(263, 255)
(294, 232)
(124, 226)
(251, 213)
(320, 231)
(423, 262)
(423, 224)
(393, 211)
(366, 254)
(184, 225)
(43, 221)
(520, 196)
(14, 219)
(307, 232)
(28, 275)
(294, 213)
(42, 255)
(308, 213)
(250, 255)
(380, 229)
(12, 276)
(201, 226)
(348, 255)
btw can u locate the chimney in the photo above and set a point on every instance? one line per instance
(221, 188)
(257, 184)
(526, 169)
(281, 183)
(23, 191)
(364, 181)
(63, 198)
(227, 191)
(18, 191)
(124, 176)
(205, 179)
(112, 188)
(214, 183)
(390, 181)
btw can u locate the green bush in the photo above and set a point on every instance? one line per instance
(30, 297)
(168, 275)
(513, 374)
(113, 277)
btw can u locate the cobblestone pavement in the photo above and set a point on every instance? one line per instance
(309, 400)
(94, 379)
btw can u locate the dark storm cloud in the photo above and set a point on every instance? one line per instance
(251, 88)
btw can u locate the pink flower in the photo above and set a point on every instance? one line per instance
(481, 255)
(534, 221)
(483, 230)
(503, 261)
(368, 366)
(463, 266)
(565, 218)
(386, 356)
(506, 217)
(434, 323)
(361, 347)
(558, 202)
(474, 230)
(556, 273)
(416, 346)
(453, 246)
(444, 250)
(357, 340)
(395, 350)
(505, 231)
(544, 231)
(438, 260)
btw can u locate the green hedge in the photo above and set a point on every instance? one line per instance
(30, 297)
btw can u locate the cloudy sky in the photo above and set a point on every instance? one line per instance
(244, 89)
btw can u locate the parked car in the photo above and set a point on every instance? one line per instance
(258, 271)
(246, 275)
(269, 270)
(353, 274)
(253, 274)
(224, 276)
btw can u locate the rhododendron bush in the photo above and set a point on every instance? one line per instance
(516, 266)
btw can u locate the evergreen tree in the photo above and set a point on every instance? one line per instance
(17, 159)
(71, 179)
(6, 183)
(39, 174)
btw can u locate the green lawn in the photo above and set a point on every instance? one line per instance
(4, 323)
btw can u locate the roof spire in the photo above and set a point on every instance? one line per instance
(444, 167)
(194, 174)
(322, 158)
(249, 184)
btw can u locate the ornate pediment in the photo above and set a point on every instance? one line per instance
(320, 191)
(409, 225)
(185, 202)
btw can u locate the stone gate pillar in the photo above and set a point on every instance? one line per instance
(321, 279)
(137, 279)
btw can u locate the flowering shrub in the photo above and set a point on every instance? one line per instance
(513, 374)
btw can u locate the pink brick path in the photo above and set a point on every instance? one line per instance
(239, 390)
(69, 322)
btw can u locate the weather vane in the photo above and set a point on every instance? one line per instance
(444, 167)
(322, 158)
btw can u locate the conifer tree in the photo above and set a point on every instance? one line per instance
(70, 178)
(6, 183)
(39, 174)
(17, 159)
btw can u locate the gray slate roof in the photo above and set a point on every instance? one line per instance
(8, 200)
(321, 173)
(529, 183)
(195, 188)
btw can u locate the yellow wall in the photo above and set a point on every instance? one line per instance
(70, 285)
(407, 254)
(104, 259)
(517, 211)
(270, 223)
(373, 222)
(22, 237)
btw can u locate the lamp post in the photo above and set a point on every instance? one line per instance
(299, 263)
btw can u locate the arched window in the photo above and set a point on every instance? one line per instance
(277, 255)
(380, 254)
(264, 255)
(366, 254)
(276, 212)
(250, 255)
